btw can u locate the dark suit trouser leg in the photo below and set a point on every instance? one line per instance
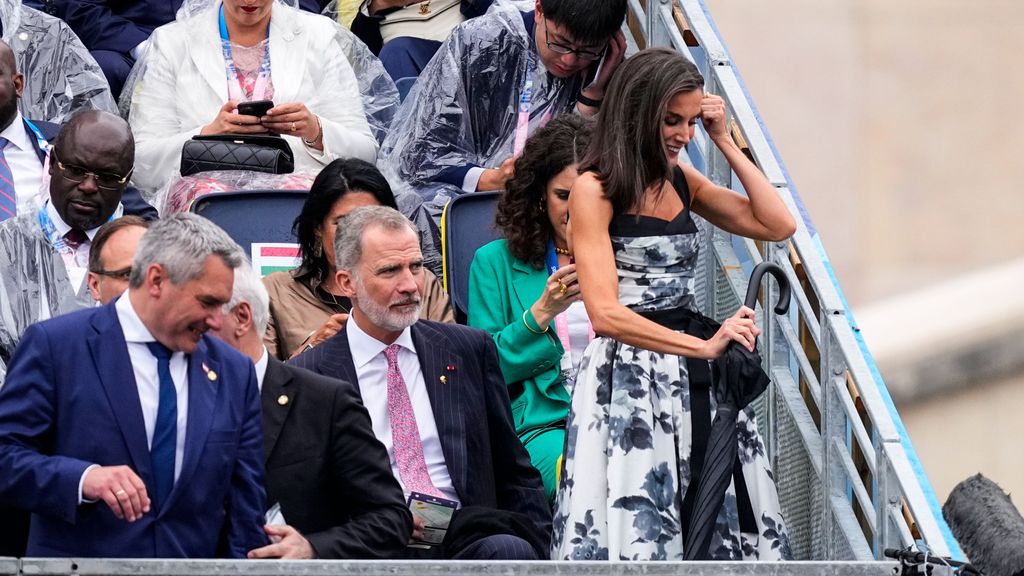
(406, 57)
(498, 547)
(116, 67)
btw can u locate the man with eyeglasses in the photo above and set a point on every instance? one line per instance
(110, 259)
(496, 79)
(44, 253)
(25, 148)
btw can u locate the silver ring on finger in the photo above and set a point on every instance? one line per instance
(119, 492)
(294, 127)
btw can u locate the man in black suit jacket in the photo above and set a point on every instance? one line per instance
(324, 467)
(467, 449)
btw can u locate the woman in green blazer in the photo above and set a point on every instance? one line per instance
(523, 290)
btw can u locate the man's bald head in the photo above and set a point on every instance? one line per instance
(11, 84)
(89, 168)
(102, 132)
(7, 57)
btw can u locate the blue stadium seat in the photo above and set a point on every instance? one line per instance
(250, 216)
(467, 224)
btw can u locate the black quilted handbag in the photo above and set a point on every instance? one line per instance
(252, 152)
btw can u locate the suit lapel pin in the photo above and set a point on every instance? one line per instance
(449, 368)
(282, 400)
(210, 374)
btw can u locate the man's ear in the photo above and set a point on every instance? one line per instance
(347, 283)
(243, 319)
(93, 281)
(538, 9)
(156, 279)
(19, 82)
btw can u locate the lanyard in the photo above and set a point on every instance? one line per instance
(259, 91)
(562, 320)
(67, 253)
(41, 142)
(523, 120)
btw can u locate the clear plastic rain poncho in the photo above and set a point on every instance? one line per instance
(61, 76)
(180, 193)
(180, 82)
(463, 110)
(34, 283)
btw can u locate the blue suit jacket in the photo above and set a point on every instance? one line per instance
(120, 25)
(70, 400)
(488, 465)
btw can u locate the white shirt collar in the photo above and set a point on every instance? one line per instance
(17, 135)
(365, 348)
(132, 326)
(261, 368)
(62, 227)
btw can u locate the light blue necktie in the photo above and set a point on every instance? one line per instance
(166, 430)
(8, 198)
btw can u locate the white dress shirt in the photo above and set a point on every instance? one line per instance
(372, 370)
(136, 335)
(78, 266)
(27, 170)
(261, 369)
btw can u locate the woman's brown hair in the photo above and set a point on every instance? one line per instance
(520, 217)
(626, 151)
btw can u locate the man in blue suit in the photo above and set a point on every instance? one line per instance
(127, 431)
(435, 395)
(114, 30)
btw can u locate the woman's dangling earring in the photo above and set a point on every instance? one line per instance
(318, 248)
(541, 206)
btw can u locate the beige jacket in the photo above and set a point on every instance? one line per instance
(296, 312)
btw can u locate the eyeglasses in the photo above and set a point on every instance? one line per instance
(121, 274)
(562, 49)
(78, 174)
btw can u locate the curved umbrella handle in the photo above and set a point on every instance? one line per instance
(774, 269)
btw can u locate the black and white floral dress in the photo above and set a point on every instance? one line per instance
(634, 419)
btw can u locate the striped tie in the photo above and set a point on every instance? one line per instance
(8, 198)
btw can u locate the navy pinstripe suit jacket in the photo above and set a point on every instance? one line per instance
(487, 462)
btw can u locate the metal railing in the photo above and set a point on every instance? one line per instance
(849, 481)
(105, 567)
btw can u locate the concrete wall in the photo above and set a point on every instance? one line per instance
(900, 122)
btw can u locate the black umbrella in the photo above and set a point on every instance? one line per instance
(738, 381)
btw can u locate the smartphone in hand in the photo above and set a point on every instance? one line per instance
(257, 108)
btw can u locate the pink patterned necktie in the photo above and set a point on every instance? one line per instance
(405, 434)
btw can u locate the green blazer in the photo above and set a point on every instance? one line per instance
(501, 287)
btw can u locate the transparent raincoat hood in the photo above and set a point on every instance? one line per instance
(463, 109)
(34, 283)
(60, 74)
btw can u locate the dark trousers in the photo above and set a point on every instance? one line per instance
(407, 57)
(116, 67)
(497, 547)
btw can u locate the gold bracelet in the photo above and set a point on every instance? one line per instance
(527, 324)
(319, 134)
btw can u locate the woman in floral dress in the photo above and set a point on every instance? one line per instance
(642, 398)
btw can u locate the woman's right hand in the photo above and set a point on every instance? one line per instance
(553, 301)
(740, 327)
(325, 331)
(228, 122)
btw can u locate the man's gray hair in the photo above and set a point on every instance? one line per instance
(249, 288)
(348, 238)
(181, 243)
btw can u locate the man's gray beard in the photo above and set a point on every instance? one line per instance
(382, 316)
